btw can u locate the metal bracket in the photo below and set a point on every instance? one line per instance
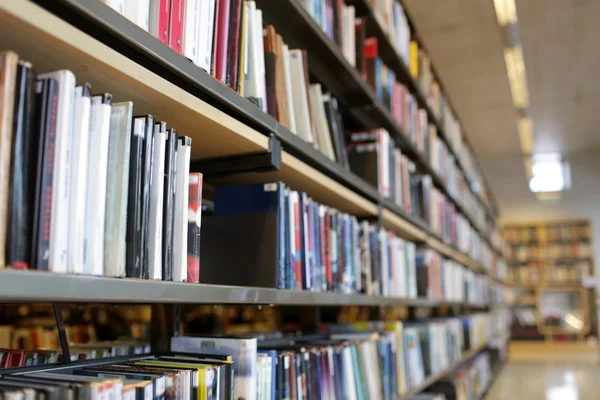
(262, 161)
(62, 335)
(378, 219)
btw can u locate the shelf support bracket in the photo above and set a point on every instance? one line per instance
(261, 161)
(62, 334)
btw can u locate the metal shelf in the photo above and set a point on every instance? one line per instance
(37, 286)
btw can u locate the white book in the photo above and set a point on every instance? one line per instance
(205, 35)
(300, 100)
(117, 5)
(400, 269)
(61, 184)
(180, 238)
(385, 265)
(321, 125)
(138, 12)
(288, 86)
(349, 380)
(268, 378)
(97, 178)
(259, 51)
(117, 188)
(349, 34)
(260, 372)
(365, 256)
(370, 367)
(191, 30)
(79, 163)
(154, 17)
(411, 252)
(155, 227)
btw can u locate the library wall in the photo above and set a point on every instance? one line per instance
(518, 204)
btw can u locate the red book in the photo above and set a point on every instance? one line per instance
(194, 224)
(298, 240)
(14, 359)
(163, 21)
(176, 26)
(213, 67)
(371, 47)
(222, 40)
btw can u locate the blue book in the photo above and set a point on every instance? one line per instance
(384, 367)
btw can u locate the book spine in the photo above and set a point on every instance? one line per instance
(46, 115)
(180, 233)
(176, 25)
(215, 36)
(117, 188)
(97, 175)
(191, 27)
(133, 266)
(79, 189)
(169, 204)
(194, 227)
(147, 157)
(233, 43)
(156, 202)
(21, 206)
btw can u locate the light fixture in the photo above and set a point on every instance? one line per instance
(506, 12)
(515, 67)
(525, 127)
(550, 173)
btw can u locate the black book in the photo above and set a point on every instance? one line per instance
(45, 128)
(334, 120)
(375, 261)
(21, 191)
(169, 204)
(337, 10)
(133, 256)
(148, 155)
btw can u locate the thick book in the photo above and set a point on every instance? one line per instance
(336, 129)
(242, 350)
(117, 188)
(22, 173)
(79, 186)
(59, 232)
(194, 227)
(176, 25)
(205, 37)
(97, 176)
(45, 126)
(8, 78)
(169, 203)
(147, 158)
(180, 225)
(155, 229)
(133, 266)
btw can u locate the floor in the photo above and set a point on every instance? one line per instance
(547, 380)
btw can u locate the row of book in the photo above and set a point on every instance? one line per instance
(88, 187)
(550, 251)
(226, 38)
(439, 279)
(469, 382)
(575, 273)
(498, 293)
(547, 234)
(524, 274)
(374, 360)
(301, 245)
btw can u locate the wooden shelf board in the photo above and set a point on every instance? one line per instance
(38, 36)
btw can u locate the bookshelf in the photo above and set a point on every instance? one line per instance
(551, 262)
(112, 54)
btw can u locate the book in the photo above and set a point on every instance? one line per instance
(205, 34)
(334, 121)
(117, 188)
(234, 45)
(288, 88)
(191, 29)
(321, 126)
(133, 263)
(169, 203)
(301, 103)
(242, 350)
(45, 126)
(79, 188)
(155, 229)
(180, 226)
(147, 158)
(138, 12)
(97, 181)
(59, 234)
(176, 25)
(222, 40)
(22, 171)
(194, 227)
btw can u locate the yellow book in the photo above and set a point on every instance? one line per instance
(414, 58)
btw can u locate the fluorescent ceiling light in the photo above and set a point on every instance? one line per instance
(550, 173)
(515, 67)
(525, 126)
(506, 12)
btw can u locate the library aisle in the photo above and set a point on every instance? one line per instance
(546, 381)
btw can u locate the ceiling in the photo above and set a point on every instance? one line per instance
(562, 60)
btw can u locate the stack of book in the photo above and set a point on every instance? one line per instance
(88, 187)
(301, 245)
(226, 38)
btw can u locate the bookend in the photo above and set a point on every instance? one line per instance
(255, 162)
